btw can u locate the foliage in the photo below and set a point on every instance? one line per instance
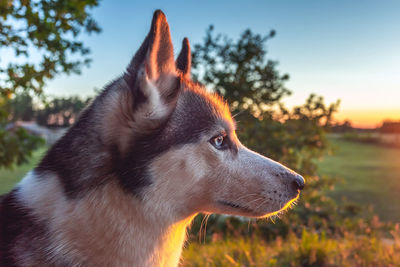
(40, 38)
(16, 146)
(294, 138)
(343, 127)
(239, 71)
(21, 108)
(52, 28)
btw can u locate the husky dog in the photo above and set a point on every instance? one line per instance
(124, 183)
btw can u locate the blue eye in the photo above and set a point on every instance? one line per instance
(218, 141)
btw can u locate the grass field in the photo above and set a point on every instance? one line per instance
(8, 178)
(370, 175)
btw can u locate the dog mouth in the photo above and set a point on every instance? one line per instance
(246, 211)
(235, 206)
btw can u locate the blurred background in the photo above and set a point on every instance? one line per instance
(313, 84)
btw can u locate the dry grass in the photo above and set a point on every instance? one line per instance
(311, 249)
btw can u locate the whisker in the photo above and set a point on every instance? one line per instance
(262, 203)
(248, 195)
(254, 200)
(240, 112)
(248, 226)
(201, 227)
(205, 227)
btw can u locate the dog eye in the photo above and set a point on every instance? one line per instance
(218, 141)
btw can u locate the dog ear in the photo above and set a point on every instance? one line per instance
(184, 60)
(152, 74)
(156, 53)
(160, 53)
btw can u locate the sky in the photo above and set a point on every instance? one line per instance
(347, 50)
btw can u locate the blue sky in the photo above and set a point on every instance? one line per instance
(348, 50)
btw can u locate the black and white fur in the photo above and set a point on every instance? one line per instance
(148, 154)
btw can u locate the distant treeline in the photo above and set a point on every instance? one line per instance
(390, 127)
(54, 112)
(387, 127)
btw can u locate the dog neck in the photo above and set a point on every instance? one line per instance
(105, 227)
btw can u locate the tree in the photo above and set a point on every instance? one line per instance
(48, 30)
(343, 127)
(390, 127)
(240, 71)
(21, 108)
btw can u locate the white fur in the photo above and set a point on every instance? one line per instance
(156, 109)
(27, 183)
(105, 228)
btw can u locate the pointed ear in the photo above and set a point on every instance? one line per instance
(152, 76)
(184, 60)
(156, 55)
(160, 54)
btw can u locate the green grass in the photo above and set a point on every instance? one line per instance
(8, 178)
(370, 175)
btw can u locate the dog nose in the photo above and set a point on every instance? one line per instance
(298, 182)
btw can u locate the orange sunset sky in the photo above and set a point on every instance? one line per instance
(368, 118)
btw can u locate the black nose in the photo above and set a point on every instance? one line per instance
(298, 182)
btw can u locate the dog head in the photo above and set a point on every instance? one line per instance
(174, 144)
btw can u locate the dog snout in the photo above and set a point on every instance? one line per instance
(297, 182)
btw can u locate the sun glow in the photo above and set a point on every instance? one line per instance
(370, 118)
(288, 205)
